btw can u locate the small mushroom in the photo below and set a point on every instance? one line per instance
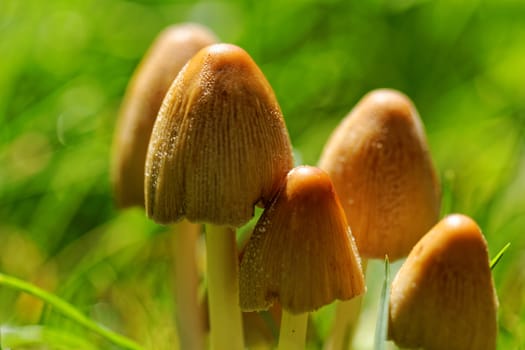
(301, 253)
(379, 162)
(218, 147)
(443, 296)
(172, 48)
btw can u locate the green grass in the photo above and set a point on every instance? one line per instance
(67, 310)
(63, 71)
(381, 332)
(494, 261)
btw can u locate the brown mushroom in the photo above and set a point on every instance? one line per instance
(172, 48)
(218, 147)
(379, 162)
(443, 296)
(301, 253)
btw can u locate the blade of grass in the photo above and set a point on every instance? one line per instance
(69, 311)
(382, 315)
(498, 256)
(26, 336)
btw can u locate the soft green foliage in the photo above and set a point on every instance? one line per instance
(27, 336)
(64, 66)
(67, 310)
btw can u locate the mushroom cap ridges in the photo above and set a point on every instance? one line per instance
(379, 162)
(172, 48)
(301, 252)
(443, 296)
(219, 145)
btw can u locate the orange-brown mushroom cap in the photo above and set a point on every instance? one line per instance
(443, 296)
(301, 252)
(379, 162)
(173, 47)
(219, 145)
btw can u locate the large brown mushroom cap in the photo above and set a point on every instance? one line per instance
(380, 165)
(173, 47)
(219, 145)
(443, 296)
(301, 252)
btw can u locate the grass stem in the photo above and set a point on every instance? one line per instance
(69, 311)
(498, 256)
(382, 314)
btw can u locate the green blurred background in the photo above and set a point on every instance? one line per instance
(64, 66)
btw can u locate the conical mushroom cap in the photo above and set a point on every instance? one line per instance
(173, 47)
(219, 145)
(380, 165)
(443, 296)
(301, 252)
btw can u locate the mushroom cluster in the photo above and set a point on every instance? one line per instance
(202, 138)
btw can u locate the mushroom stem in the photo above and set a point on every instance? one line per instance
(346, 320)
(189, 314)
(223, 289)
(293, 331)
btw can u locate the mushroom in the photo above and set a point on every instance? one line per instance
(218, 147)
(301, 253)
(443, 296)
(379, 162)
(173, 47)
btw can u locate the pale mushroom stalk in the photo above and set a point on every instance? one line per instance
(292, 335)
(223, 293)
(172, 48)
(347, 314)
(189, 314)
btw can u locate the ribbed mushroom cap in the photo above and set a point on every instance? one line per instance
(301, 252)
(443, 296)
(380, 165)
(219, 145)
(173, 47)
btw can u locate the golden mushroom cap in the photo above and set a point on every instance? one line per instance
(172, 48)
(379, 162)
(301, 252)
(443, 296)
(219, 145)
